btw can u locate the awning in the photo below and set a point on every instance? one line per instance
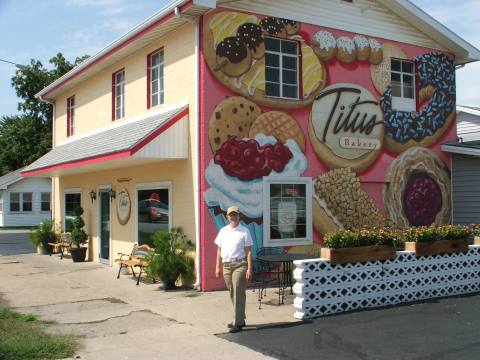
(162, 135)
(471, 148)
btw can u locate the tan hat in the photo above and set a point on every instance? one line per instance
(232, 209)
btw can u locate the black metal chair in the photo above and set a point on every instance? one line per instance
(274, 269)
(262, 277)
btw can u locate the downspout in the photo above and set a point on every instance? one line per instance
(197, 147)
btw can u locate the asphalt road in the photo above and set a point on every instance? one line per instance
(438, 329)
(15, 242)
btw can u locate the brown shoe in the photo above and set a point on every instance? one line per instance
(230, 325)
(235, 329)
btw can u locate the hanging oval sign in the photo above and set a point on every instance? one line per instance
(124, 206)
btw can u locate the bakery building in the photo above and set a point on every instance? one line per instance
(310, 117)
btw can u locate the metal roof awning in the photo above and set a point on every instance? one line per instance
(471, 148)
(159, 136)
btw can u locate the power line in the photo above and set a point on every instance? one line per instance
(10, 62)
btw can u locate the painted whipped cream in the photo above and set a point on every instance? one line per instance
(226, 190)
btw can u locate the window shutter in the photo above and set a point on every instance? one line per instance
(68, 117)
(113, 97)
(149, 65)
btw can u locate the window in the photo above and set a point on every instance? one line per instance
(45, 201)
(287, 217)
(72, 201)
(281, 68)
(118, 95)
(1, 201)
(403, 85)
(21, 201)
(155, 79)
(153, 212)
(71, 115)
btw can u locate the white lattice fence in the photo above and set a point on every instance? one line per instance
(323, 289)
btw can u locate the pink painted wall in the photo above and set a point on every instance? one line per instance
(372, 179)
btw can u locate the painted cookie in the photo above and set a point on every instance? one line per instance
(381, 73)
(232, 117)
(324, 45)
(403, 130)
(346, 50)
(346, 127)
(341, 203)
(417, 189)
(280, 125)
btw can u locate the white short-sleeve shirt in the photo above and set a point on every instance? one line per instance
(232, 242)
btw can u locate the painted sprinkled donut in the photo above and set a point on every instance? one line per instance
(406, 129)
(346, 50)
(233, 57)
(252, 36)
(273, 26)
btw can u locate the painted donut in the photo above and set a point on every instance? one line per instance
(252, 36)
(406, 129)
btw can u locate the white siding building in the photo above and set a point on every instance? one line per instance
(24, 201)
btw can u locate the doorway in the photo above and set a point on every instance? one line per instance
(105, 228)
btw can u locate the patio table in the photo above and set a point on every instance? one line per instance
(285, 276)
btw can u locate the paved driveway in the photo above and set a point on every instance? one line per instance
(15, 242)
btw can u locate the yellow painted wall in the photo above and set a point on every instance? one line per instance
(93, 111)
(177, 173)
(93, 97)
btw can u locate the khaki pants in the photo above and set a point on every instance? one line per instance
(234, 276)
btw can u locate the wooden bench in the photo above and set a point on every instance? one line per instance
(135, 259)
(63, 246)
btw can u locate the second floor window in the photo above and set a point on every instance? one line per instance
(403, 85)
(281, 68)
(118, 95)
(71, 115)
(155, 78)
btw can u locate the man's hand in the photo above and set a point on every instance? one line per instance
(218, 271)
(248, 274)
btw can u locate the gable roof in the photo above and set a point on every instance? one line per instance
(10, 178)
(180, 12)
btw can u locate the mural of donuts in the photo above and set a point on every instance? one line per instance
(293, 100)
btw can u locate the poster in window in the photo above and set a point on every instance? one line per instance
(287, 216)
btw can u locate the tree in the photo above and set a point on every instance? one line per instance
(26, 137)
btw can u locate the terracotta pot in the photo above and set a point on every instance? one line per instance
(437, 247)
(358, 254)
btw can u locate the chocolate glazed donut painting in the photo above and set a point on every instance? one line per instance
(403, 130)
(234, 48)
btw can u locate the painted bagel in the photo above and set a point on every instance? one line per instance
(406, 129)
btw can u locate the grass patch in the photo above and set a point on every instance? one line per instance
(23, 336)
(115, 300)
(193, 294)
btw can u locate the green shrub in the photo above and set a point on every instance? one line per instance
(44, 234)
(79, 236)
(347, 238)
(454, 232)
(170, 259)
(421, 234)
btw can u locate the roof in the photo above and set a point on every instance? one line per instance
(471, 148)
(468, 109)
(119, 141)
(180, 12)
(10, 178)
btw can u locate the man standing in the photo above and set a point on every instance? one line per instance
(235, 253)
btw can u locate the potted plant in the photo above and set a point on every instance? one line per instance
(42, 235)
(79, 236)
(430, 240)
(170, 260)
(476, 234)
(345, 246)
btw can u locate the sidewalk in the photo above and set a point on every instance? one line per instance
(119, 320)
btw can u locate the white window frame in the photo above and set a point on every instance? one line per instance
(20, 202)
(160, 94)
(119, 94)
(50, 201)
(267, 181)
(70, 191)
(71, 115)
(401, 103)
(280, 68)
(1, 202)
(154, 185)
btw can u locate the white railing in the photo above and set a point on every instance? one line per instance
(323, 289)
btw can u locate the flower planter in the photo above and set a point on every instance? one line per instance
(78, 254)
(437, 247)
(41, 250)
(358, 254)
(476, 240)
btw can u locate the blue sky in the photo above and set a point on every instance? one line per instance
(41, 28)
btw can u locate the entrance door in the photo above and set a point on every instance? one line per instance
(104, 226)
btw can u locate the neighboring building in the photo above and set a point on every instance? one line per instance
(310, 116)
(24, 201)
(466, 167)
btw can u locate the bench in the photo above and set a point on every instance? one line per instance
(135, 259)
(62, 246)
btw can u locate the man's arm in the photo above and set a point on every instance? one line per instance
(218, 263)
(249, 273)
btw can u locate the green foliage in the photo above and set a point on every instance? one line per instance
(79, 236)
(432, 233)
(475, 229)
(454, 232)
(24, 337)
(44, 234)
(347, 238)
(421, 234)
(170, 259)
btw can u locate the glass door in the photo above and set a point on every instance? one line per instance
(104, 226)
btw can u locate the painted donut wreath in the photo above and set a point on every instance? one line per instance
(406, 129)
(417, 192)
